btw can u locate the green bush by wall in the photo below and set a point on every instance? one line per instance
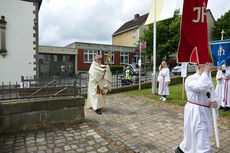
(116, 68)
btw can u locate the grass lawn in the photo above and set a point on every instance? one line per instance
(175, 96)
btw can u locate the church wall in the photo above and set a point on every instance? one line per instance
(21, 40)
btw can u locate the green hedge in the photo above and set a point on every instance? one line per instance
(149, 66)
(116, 68)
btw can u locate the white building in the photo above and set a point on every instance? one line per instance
(18, 39)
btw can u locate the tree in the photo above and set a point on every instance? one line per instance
(168, 36)
(222, 23)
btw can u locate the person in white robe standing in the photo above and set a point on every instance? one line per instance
(226, 88)
(95, 96)
(219, 85)
(197, 112)
(164, 80)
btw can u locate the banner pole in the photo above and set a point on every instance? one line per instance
(214, 117)
(183, 89)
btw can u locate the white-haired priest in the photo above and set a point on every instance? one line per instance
(100, 80)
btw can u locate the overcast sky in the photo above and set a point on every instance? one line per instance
(62, 22)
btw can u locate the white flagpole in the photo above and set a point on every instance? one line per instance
(214, 110)
(154, 51)
(214, 117)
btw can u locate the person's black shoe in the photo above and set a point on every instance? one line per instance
(98, 111)
(178, 150)
(226, 109)
(221, 108)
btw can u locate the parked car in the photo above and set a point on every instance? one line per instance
(190, 69)
(134, 68)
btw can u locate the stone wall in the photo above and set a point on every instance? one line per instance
(33, 114)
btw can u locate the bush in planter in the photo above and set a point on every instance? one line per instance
(116, 68)
(148, 66)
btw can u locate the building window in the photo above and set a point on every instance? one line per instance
(124, 58)
(89, 55)
(137, 56)
(56, 65)
(134, 33)
(55, 58)
(41, 58)
(105, 56)
(3, 36)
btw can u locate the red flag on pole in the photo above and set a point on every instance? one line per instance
(193, 46)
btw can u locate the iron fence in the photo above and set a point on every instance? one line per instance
(30, 87)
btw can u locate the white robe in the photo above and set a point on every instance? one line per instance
(107, 80)
(226, 88)
(163, 77)
(197, 119)
(219, 86)
(96, 75)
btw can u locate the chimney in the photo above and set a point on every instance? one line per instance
(136, 16)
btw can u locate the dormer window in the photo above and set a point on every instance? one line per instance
(3, 36)
(134, 33)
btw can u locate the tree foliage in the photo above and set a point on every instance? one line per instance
(222, 23)
(168, 36)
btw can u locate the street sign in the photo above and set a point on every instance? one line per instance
(136, 50)
(143, 44)
(25, 84)
(139, 62)
(184, 69)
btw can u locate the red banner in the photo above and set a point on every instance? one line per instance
(194, 35)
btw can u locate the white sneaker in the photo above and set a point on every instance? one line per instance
(161, 98)
(164, 99)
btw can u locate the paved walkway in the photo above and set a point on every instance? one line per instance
(128, 124)
(145, 126)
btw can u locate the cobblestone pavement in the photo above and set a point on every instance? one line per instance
(145, 126)
(128, 124)
(86, 138)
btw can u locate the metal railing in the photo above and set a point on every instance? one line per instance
(59, 86)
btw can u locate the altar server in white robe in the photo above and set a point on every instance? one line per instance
(197, 112)
(164, 80)
(219, 85)
(95, 96)
(226, 89)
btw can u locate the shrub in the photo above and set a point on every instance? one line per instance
(116, 68)
(148, 66)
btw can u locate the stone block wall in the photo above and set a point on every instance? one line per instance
(33, 114)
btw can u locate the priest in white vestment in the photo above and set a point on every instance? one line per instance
(100, 80)
(197, 112)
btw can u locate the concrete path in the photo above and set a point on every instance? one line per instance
(147, 125)
(128, 124)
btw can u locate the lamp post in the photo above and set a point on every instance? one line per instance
(154, 84)
(3, 50)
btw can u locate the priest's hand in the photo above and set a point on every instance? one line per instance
(213, 104)
(98, 90)
(103, 66)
